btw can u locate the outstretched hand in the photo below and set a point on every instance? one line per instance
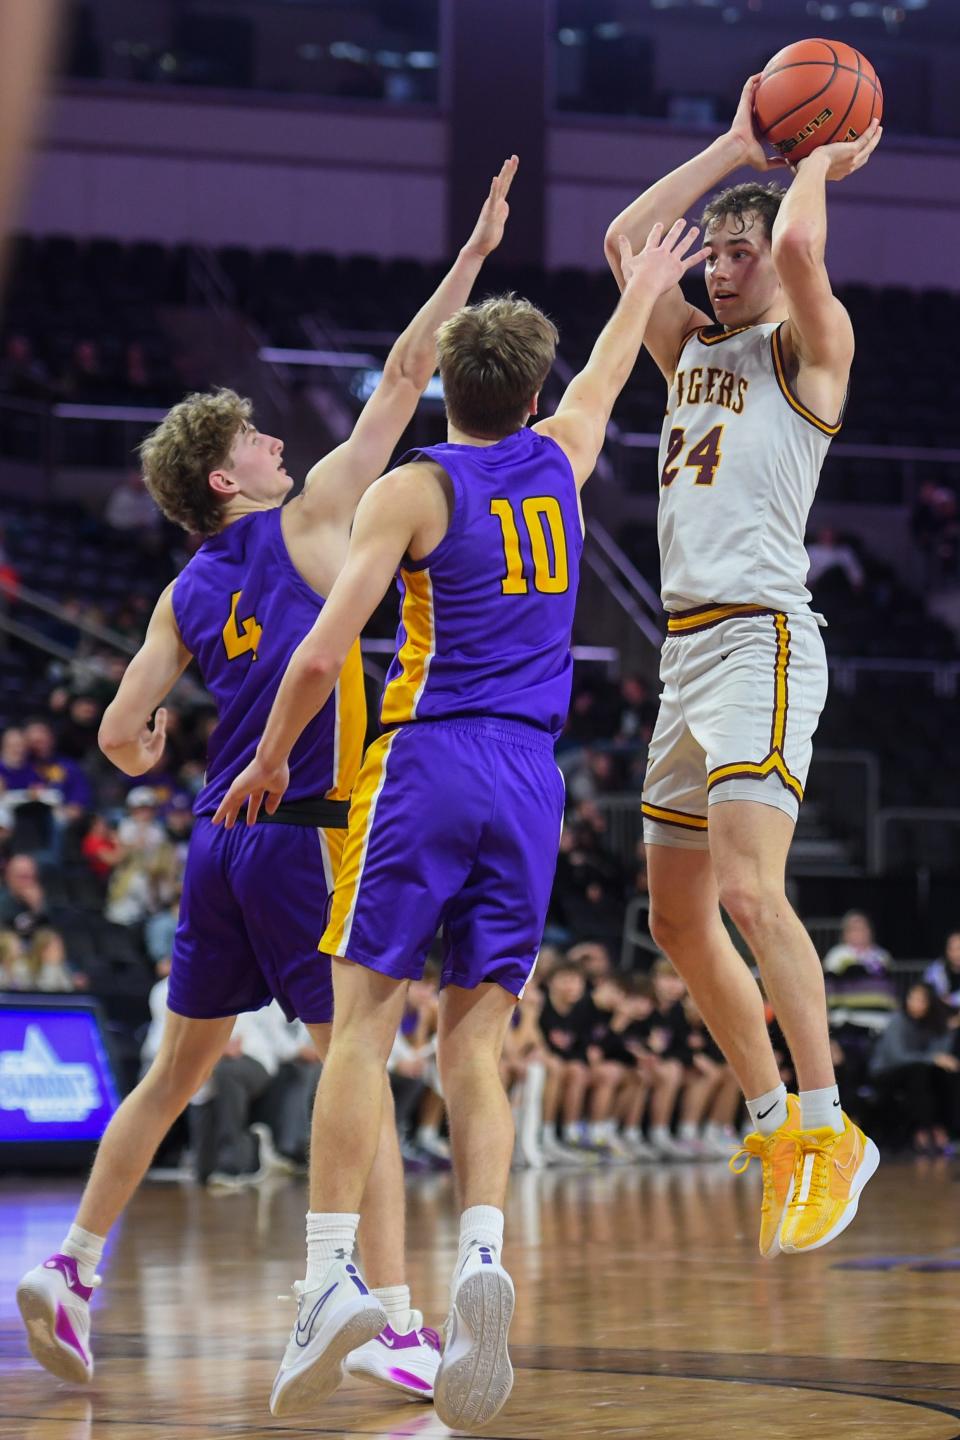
(663, 261)
(488, 231)
(255, 784)
(743, 129)
(846, 156)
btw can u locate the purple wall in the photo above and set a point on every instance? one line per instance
(375, 183)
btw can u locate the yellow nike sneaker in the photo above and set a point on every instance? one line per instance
(831, 1171)
(777, 1154)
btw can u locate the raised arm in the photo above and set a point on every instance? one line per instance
(388, 518)
(580, 422)
(673, 316)
(818, 337)
(125, 736)
(336, 483)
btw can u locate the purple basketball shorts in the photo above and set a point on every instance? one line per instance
(253, 908)
(453, 824)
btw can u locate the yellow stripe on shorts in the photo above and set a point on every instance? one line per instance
(773, 763)
(363, 810)
(673, 817)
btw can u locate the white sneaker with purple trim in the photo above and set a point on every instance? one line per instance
(475, 1376)
(404, 1360)
(55, 1306)
(333, 1318)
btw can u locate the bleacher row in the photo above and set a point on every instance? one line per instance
(63, 291)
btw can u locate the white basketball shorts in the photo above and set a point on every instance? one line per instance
(743, 688)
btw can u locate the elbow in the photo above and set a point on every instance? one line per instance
(321, 668)
(799, 245)
(611, 248)
(410, 368)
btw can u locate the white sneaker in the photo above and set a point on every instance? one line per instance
(720, 1144)
(404, 1360)
(55, 1306)
(475, 1376)
(335, 1317)
(638, 1147)
(433, 1145)
(668, 1148)
(618, 1151)
(555, 1153)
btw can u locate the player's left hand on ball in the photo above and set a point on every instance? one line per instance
(256, 784)
(488, 231)
(847, 156)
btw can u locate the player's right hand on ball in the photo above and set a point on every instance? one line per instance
(664, 260)
(256, 784)
(743, 130)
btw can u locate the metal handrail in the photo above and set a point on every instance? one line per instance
(871, 807)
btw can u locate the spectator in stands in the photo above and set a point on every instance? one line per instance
(917, 1074)
(178, 823)
(23, 900)
(593, 713)
(140, 832)
(711, 1095)
(47, 959)
(596, 772)
(859, 978)
(130, 510)
(101, 849)
(142, 884)
(84, 377)
(77, 732)
(15, 969)
(638, 712)
(667, 1033)
(590, 1084)
(936, 529)
(161, 926)
(59, 774)
(232, 1149)
(944, 975)
(831, 557)
(18, 774)
(22, 373)
(531, 1076)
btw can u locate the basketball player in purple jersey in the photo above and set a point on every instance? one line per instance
(255, 902)
(456, 815)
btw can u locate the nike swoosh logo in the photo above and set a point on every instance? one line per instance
(848, 1169)
(306, 1331)
(762, 1114)
(384, 1341)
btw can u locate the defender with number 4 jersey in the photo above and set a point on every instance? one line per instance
(254, 903)
(457, 810)
(743, 667)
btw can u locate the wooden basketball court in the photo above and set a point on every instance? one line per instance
(644, 1310)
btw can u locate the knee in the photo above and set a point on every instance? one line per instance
(669, 928)
(752, 905)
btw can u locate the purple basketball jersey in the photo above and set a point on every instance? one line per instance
(486, 618)
(242, 608)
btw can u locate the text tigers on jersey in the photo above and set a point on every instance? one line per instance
(712, 385)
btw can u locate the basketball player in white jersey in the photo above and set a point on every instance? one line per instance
(754, 398)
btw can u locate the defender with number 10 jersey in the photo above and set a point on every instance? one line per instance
(457, 811)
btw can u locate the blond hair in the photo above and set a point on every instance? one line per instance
(194, 439)
(494, 357)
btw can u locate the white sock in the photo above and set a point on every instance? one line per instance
(821, 1110)
(480, 1225)
(87, 1249)
(571, 1133)
(329, 1238)
(428, 1132)
(689, 1131)
(395, 1299)
(660, 1132)
(631, 1133)
(715, 1131)
(769, 1111)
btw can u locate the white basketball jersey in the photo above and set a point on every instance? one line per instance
(740, 458)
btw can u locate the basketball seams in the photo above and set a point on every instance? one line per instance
(834, 61)
(802, 104)
(853, 101)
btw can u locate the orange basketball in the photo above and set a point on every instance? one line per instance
(815, 92)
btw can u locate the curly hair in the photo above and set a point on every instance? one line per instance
(739, 201)
(177, 458)
(494, 357)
